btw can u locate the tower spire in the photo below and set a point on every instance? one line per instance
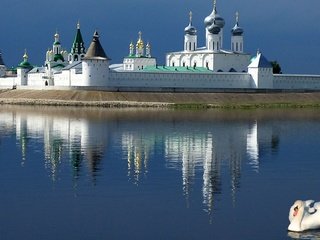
(77, 50)
(237, 17)
(25, 55)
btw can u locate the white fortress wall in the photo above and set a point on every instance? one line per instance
(296, 81)
(76, 77)
(225, 62)
(36, 79)
(8, 81)
(180, 80)
(62, 79)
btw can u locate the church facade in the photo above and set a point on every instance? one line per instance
(212, 56)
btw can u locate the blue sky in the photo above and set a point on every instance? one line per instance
(287, 30)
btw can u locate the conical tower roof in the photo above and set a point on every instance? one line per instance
(95, 50)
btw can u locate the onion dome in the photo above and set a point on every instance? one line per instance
(214, 28)
(56, 39)
(190, 30)
(214, 17)
(131, 49)
(236, 30)
(25, 63)
(140, 43)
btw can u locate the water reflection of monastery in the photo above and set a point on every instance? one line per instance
(202, 151)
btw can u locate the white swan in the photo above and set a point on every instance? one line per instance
(304, 215)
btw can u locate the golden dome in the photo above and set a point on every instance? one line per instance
(140, 43)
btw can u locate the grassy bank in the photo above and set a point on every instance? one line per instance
(166, 100)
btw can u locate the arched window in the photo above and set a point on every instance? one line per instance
(237, 47)
(184, 64)
(189, 46)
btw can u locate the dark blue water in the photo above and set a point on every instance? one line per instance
(74, 173)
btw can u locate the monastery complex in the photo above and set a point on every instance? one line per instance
(194, 68)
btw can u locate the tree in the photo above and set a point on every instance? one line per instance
(276, 67)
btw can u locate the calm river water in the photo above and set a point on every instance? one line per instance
(74, 173)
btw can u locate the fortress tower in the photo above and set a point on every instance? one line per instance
(95, 64)
(260, 70)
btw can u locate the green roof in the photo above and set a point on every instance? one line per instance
(58, 66)
(25, 64)
(78, 44)
(176, 69)
(58, 57)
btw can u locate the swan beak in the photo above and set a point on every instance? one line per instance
(296, 209)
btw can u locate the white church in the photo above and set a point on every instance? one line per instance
(207, 68)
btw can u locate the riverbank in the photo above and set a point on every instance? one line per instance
(157, 99)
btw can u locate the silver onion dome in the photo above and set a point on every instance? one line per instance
(214, 17)
(236, 30)
(190, 29)
(214, 28)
